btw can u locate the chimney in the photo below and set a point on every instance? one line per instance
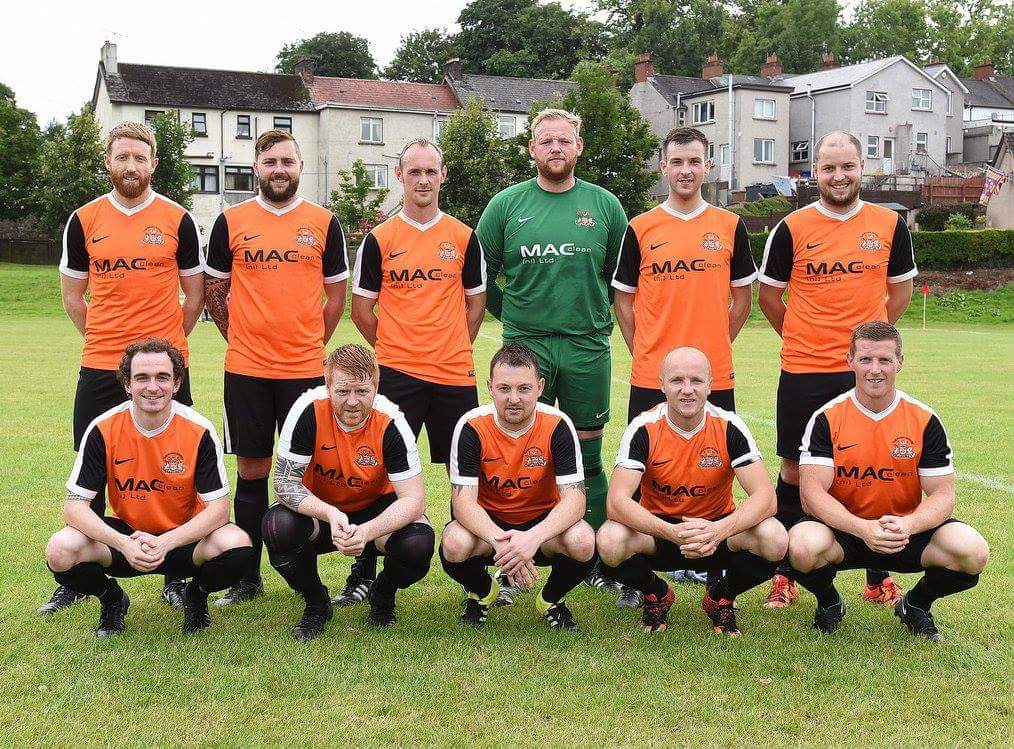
(827, 61)
(108, 57)
(643, 68)
(453, 69)
(772, 67)
(984, 70)
(304, 69)
(713, 67)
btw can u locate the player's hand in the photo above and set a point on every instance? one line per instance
(138, 557)
(515, 549)
(897, 523)
(352, 544)
(697, 537)
(157, 546)
(883, 540)
(338, 520)
(524, 577)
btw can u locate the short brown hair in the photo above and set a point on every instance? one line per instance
(837, 135)
(150, 346)
(134, 131)
(514, 355)
(681, 136)
(422, 143)
(354, 359)
(557, 114)
(876, 330)
(272, 137)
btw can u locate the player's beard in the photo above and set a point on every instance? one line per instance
(848, 199)
(278, 196)
(551, 171)
(130, 189)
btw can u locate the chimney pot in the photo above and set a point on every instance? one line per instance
(772, 67)
(108, 57)
(713, 67)
(984, 70)
(453, 69)
(643, 68)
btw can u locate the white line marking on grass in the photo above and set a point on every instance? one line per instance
(759, 419)
(987, 481)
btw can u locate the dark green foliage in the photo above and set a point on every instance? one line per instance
(933, 217)
(763, 207)
(174, 176)
(338, 54)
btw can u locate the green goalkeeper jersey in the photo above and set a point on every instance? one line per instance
(557, 252)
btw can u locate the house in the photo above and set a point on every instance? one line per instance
(959, 94)
(758, 148)
(989, 112)
(1000, 211)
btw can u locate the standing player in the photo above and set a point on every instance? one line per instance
(556, 239)
(425, 273)
(517, 495)
(162, 464)
(682, 456)
(348, 478)
(844, 262)
(133, 250)
(276, 289)
(868, 458)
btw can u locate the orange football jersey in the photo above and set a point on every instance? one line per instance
(133, 259)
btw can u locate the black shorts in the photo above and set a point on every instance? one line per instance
(437, 406)
(641, 399)
(178, 563)
(669, 557)
(255, 409)
(540, 559)
(799, 395)
(860, 556)
(323, 543)
(98, 390)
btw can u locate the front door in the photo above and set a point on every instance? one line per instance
(888, 159)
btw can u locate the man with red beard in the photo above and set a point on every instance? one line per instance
(276, 276)
(845, 262)
(133, 250)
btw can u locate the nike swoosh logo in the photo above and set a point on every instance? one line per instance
(393, 255)
(656, 246)
(327, 447)
(811, 245)
(526, 218)
(122, 460)
(661, 462)
(248, 237)
(96, 240)
(489, 460)
(599, 416)
(846, 447)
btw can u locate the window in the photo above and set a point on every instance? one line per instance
(438, 127)
(371, 130)
(764, 109)
(873, 146)
(239, 179)
(921, 142)
(205, 178)
(949, 112)
(508, 126)
(377, 174)
(763, 151)
(723, 153)
(948, 145)
(801, 150)
(711, 152)
(922, 98)
(704, 111)
(876, 102)
(283, 123)
(199, 124)
(242, 126)
(681, 115)
(151, 114)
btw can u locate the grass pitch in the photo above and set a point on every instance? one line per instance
(430, 682)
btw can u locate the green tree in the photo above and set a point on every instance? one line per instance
(421, 56)
(357, 203)
(882, 28)
(798, 31)
(174, 176)
(339, 54)
(71, 171)
(479, 162)
(20, 144)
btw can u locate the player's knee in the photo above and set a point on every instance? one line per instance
(790, 472)
(252, 469)
(413, 544)
(456, 544)
(975, 554)
(773, 540)
(580, 542)
(229, 536)
(611, 542)
(284, 530)
(806, 547)
(62, 550)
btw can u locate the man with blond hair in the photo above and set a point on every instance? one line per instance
(556, 239)
(275, 288)
(131, 250)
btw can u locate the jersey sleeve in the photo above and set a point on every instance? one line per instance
(401, 456)
(74, 261)
(776, 267)
(188, 248)
(743, 271)
(473, 275)
(490, 232)
(335, 262)
(633, 453)
(466, 449)
(367, 277)
(901, 265)
(614, 240)
(816, 448)
(209, 476)
(219, 261)
(88, 476)
(298, 437)
(566, 453)
(936, 450)
(740, 443)
(628, 265)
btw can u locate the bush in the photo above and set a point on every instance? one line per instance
(958, 222)
(763, 207)
(934, 217)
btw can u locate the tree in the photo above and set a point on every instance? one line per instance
(174, 176)
(20, 143)
(479, 162)
(71, 171)
(882, 28)
(356, 203)
(798, 31)
(338, 54)
(421, 56)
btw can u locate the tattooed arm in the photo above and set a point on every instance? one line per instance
(216, 299)
(289, 490)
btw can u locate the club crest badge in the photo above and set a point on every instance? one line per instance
(534, 458)
(447, 251)
(366, 457)
(870, 241)
(710, 241)
(903, 447)
(710, 458)
(172, 464)
(585, 218)
(305, 237)
(153, 235)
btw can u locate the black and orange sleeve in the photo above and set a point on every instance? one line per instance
(335, 261)
(776, 267)
(74, 261)
(628, 267)
(368, 274)
(901, 265)
(743, 270)
(88, 477)
(817, 448)
(473, 274)
(188, 248)
(936, 450)
(465, 456)
(219, 262)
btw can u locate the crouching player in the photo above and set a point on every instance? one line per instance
(682, 456)
(517, 495)
(868, 457)
(160, 463)
(348, 479)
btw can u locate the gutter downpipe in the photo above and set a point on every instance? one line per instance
(813, 127)
(732, 149)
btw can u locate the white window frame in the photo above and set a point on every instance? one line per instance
(949, 98)
(767, 150)
(873, 146)
(705, 110)
(800, 150)
(377, 174)
(760, 107)
(711, 152)
(234, 171)
(371, 130)
(947, 145)
(922, 100)
(507, 125)
(723, 154)
(922, 142)
(876, 102)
